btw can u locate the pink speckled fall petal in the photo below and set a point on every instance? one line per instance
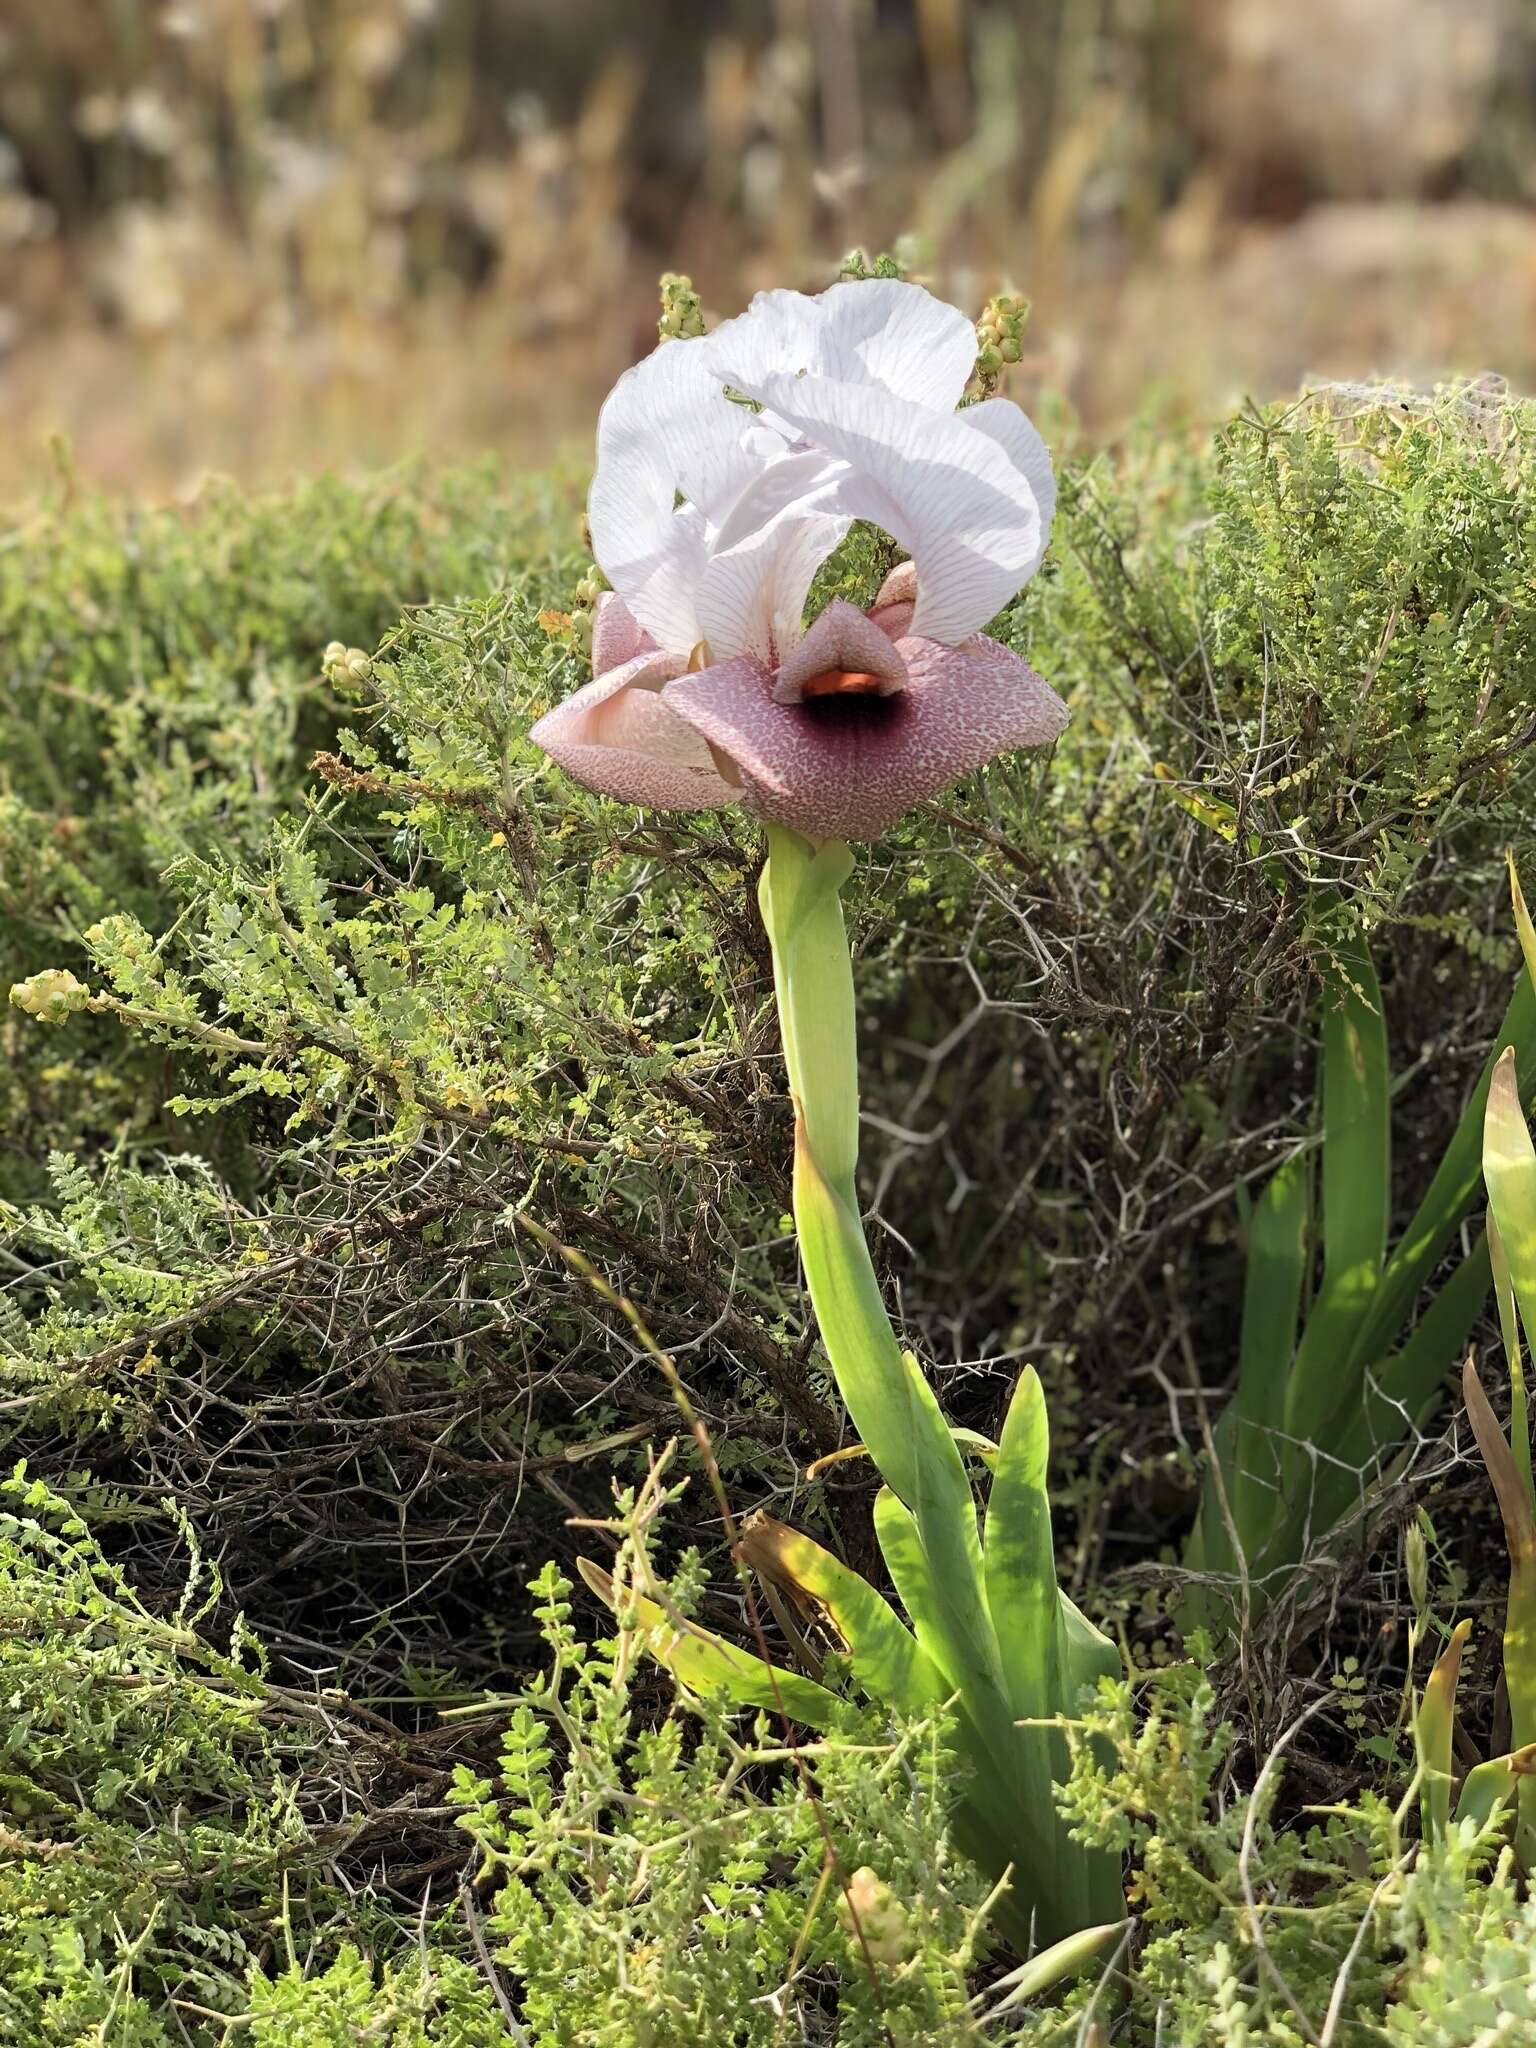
(620, 738)
(894, 620)
(617, 635)
(849, 767)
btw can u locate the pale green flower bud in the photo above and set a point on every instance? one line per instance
(1416, 1564)
(870, 1910)
(999, 338)
(347, 667)
(859, 267)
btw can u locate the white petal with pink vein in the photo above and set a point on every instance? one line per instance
(729, 468)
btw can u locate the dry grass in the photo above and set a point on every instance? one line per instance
(267, 235)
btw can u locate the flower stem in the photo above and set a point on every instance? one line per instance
(813, 979)
(892, 1406)
(961, 1603)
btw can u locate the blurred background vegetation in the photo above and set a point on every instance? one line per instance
(323, 977)
(257, 235)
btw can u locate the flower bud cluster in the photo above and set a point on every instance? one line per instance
(859, 266)
(50, 996)
(347, 668)
(999, 337)
(682, 311)
(583, 612)
(873, 1917)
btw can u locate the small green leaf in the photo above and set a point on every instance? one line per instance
(887, 1660)
(705, 1663)
(1212, 812)
(1053, 1965)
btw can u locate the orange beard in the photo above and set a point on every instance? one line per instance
(841, 682)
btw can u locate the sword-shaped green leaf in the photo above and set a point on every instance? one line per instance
(1509, 1328)
(1446, 1201)
(1523, 924)
(1519, 1519)
(1493, 1784)
(1247, 1436)
(1019, 1560)
(1357, 1183)
(1391, 1397)
(1509, 1168)
(1087, 1655)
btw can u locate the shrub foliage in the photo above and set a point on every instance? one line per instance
(331, 979)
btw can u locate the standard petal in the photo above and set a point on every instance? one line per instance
(617, 635)
(761, 562)
(967, 516)
(1019, 438)
(897, 335)
(666, 427)
(879, 331)
(619, 737)
(849, 767)
(751, 598)
(779, 331)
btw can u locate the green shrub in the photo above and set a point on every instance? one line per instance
(690, 1879)
(452, 983)
(343, 1023)
(163, 694)
(431, 2001)
(150, 1821)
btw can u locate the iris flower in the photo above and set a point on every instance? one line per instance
(728, 468)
